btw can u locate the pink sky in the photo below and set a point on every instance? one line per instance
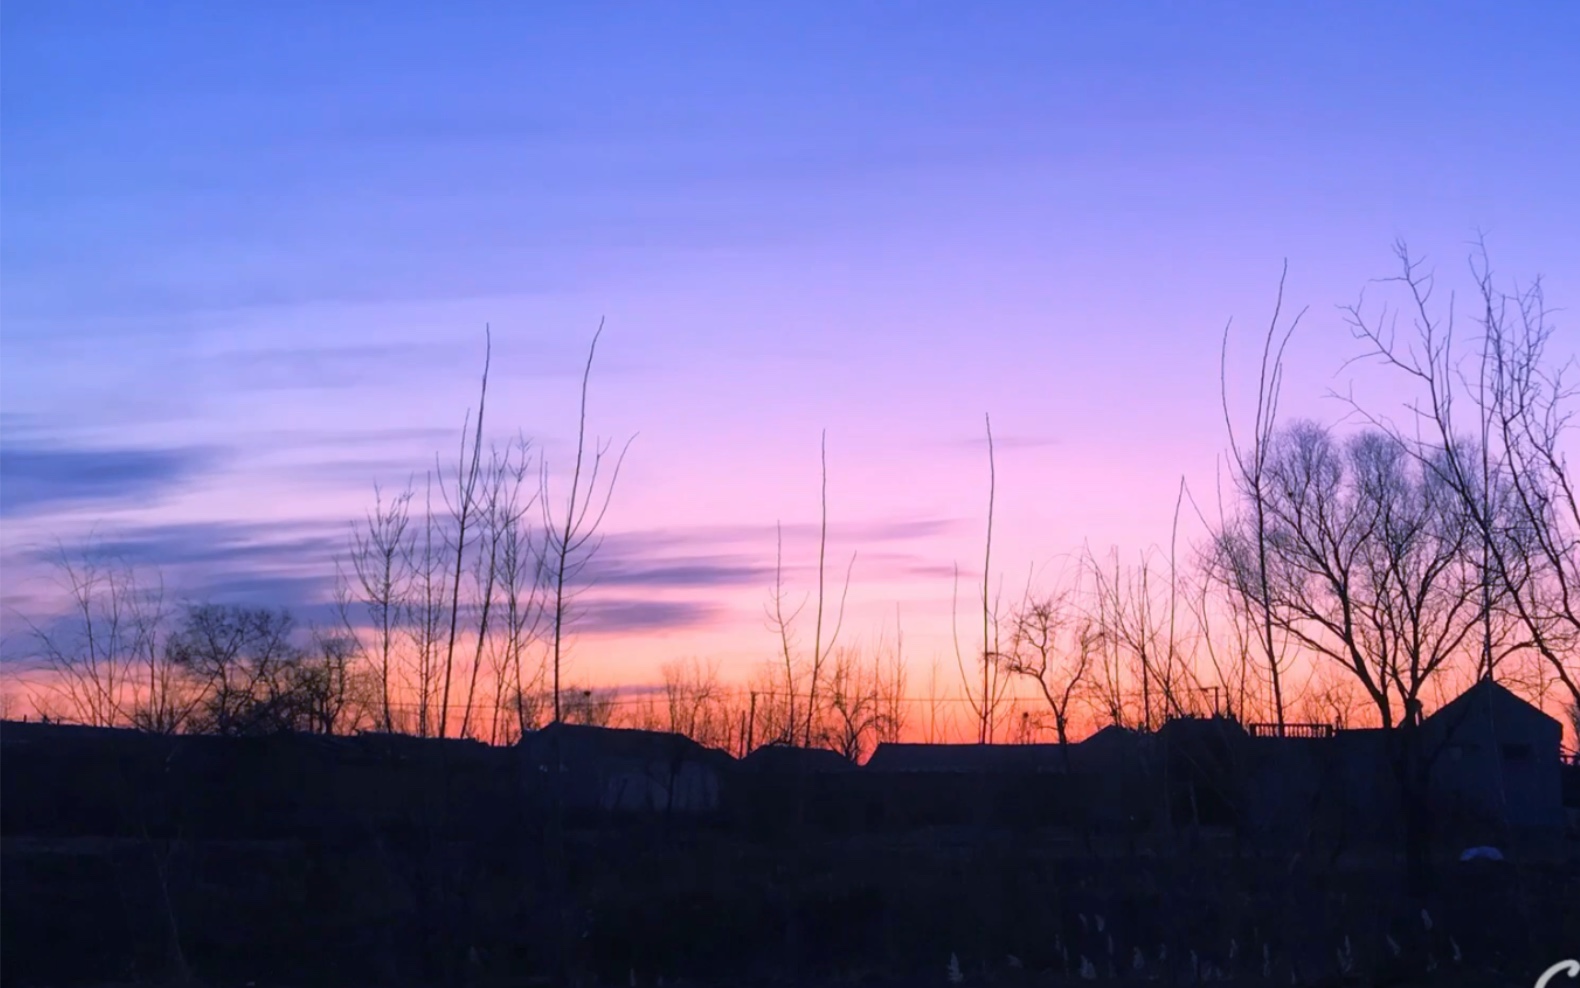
(259, 289)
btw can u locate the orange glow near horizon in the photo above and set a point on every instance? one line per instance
(935, 706)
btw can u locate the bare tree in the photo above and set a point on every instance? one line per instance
(91, 653)
(786, 676)
(381, 559)
(1513, 479)
(162, 702)
(244, 664)
(986, 694)
(857, 715)
(1330, 699)
(1372, 562)
(321, 687)
(519, 584)
(819, 649)
(892, 678)
(1228, 639)
(738, 715)
(531, 704)
(1250, 586)
(501, 517)
(425, 615)
(644, 713)
(1138, 629)
(1108, 676)
(431, 590)
(463, 509)
(1371, 566)
(801, 718)
(105, 654)
(937, 728)
(569, 537)
(771, 719)
(694, 702)
(1052, 647)
(586, 705)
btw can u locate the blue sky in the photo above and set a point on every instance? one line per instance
(249, 251)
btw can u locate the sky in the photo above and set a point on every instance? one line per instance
(249, 253)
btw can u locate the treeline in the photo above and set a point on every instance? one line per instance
(1356, 575)
(456, 602)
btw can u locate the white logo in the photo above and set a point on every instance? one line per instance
(1569, 967)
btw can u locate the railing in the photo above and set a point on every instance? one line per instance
(1291, 730)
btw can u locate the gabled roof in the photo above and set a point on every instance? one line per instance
(1112, 734)
(784, 758)
(967, 758)
(1503, 701)
(586, 741)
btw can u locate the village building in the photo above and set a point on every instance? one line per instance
(621, 772)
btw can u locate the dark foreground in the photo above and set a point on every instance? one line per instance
(644, 907)
(297, 862)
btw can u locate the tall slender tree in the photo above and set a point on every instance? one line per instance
(571, 527)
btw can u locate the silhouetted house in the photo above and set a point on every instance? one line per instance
(1361, 797)
(1495, 762)
(1011, 785)
(1099, 784)
(785, 759)
(69, 780)
(780, 788)
(1202, 761)
(956, 758)
(1493, 770)
(403, 783)
(1112, 738)
(1110, 781)
(603, 771)
(1333, 787)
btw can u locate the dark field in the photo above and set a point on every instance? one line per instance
(644, 907)
(294, 862)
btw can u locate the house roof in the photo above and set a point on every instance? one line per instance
(789, 758)
(1112, 734)
(585, 741)
(1503, 701)
(23, 731)
(967, 758)
(1197, 727)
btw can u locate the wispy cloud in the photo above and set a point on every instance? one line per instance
(638, 582)
(262, 564)
(37, 477)
(287, 566)
(308, 597)
(697, 572)
(624, 615)
(726, 556)
(698, 538)
(902, 564)
(217, 545)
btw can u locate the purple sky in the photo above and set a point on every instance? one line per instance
(249, 251)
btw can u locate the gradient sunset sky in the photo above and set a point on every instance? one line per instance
(249, 251)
